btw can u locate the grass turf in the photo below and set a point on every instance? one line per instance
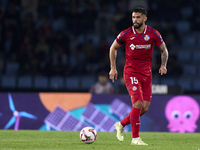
(63, 140)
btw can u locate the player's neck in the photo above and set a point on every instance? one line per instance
(141, 29)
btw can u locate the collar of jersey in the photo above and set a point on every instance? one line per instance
(135, 32)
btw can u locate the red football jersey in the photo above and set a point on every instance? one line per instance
(139, 48)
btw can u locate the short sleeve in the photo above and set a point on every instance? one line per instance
(121, 38)
(158, 39)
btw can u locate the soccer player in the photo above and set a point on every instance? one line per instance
(139, 41)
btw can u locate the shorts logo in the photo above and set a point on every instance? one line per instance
(134, 88)
(146, 37)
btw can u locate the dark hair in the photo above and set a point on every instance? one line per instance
(103, 73)
(140, 10)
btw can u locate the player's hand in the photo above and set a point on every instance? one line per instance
(113, 74)
(162, 70)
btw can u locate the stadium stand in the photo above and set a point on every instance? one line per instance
(58, 45)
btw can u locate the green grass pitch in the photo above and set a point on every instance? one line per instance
(64, 140)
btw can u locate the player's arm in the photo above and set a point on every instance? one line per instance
(113, 55)
(164, 58)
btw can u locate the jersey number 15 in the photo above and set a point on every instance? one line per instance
(134, 80)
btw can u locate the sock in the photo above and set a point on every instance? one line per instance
(135, 121)
(125, 121)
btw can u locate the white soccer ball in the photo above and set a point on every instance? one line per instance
(88, 135)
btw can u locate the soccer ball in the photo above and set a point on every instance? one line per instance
(88, 135)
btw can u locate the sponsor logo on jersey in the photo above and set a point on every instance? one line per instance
(133, 47)
(146, 37)
(134, 88)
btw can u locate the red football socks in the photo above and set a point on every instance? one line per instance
(135, 121)
(125, 121)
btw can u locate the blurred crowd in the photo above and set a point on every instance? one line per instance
(72, 37)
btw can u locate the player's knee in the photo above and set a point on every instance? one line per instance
(145, 109)
(138, 104)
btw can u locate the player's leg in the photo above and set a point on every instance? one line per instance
(126, 120)
(137, 101)
(147, 94)
(133, 86)
(145, 107)
(137, 107)
(135, 114)
(119, 126)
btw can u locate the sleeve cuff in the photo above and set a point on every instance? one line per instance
(118, 41)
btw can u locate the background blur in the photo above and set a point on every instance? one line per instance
(62, 45)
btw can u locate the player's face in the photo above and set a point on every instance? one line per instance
(138, 19)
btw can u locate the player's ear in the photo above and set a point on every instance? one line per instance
(145, 18)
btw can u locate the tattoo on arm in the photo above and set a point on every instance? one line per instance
(164, 54)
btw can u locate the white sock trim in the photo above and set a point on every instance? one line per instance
(133, 139)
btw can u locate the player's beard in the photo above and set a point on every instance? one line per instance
(138, 25)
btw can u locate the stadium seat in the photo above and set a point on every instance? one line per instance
(182, 27)
(189, 41)
(189, 70)
(184, 56)
(196, 84)
(72, 83)
(168, 81)
(95, 39)
(40, 82)
(11, 68)
(8, 82)
(186, 12)
(25, 82)
(185, 83)
(196, 56)
(87, 82)
(56, 82)
(198, 71)
(198, 41)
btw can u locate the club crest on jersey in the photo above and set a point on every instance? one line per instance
(146, 37)
(134, 88)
